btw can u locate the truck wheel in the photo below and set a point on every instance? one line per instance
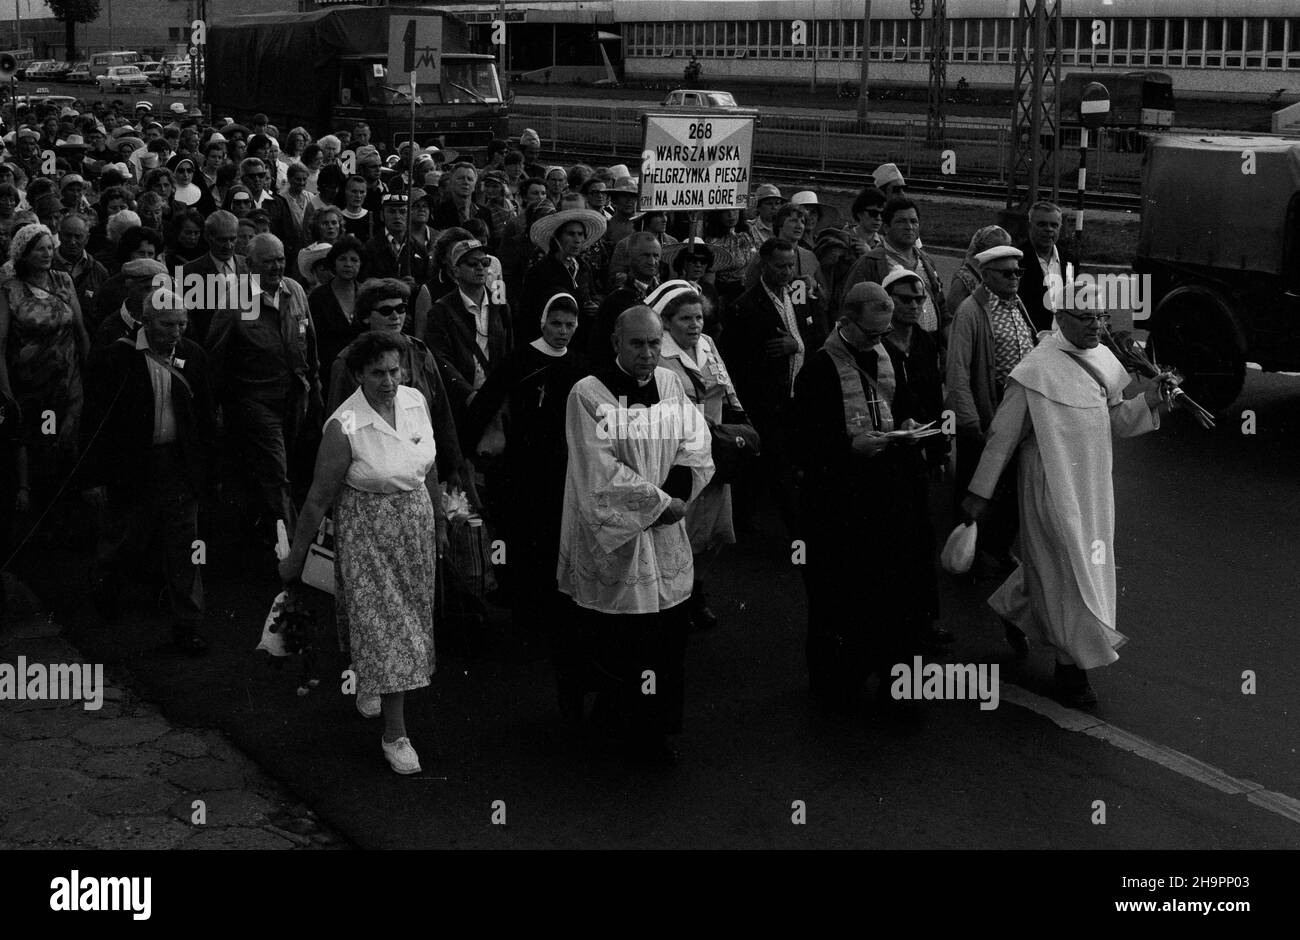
(1196, 337)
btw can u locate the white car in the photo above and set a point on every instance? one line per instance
(700, 98)
(119, 77)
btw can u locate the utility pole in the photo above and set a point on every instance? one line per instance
(1035, 143)
(935, 116)
(866, 43)
(813, 86)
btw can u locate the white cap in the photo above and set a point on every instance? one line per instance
(899, 274)
(1000, 251)
(886, 174)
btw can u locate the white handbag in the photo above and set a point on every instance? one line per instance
(318, 569)
(959, 551)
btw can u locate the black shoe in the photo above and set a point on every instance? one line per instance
(702, 618)
(1016, 639)
(1072, 687)
(937, 635)
(188, 641)
(105, 596)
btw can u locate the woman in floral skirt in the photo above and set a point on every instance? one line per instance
(376, 467)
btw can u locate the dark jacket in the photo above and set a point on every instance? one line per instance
(87, 282)
(874, 265)
(1032, 286)
(201, 317)
(763, 381)
(119, 454)
(599, 350)
(453, 338)
(544, 280)
(334, 329)
(447, 215)
(299, 339)
(379, 260)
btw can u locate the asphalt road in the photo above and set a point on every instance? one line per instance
(1207, 536)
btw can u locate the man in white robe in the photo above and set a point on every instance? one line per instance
(638, 453)
(1062, 404)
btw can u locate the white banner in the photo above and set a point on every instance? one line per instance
(696, 161)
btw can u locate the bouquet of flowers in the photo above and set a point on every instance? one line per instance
(1132, 356)
(290, 630)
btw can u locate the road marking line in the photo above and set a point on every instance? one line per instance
(1072, 720)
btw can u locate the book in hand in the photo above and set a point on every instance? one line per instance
(914, 434)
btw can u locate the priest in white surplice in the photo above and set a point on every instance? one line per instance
(1062, 404)
(638, 453)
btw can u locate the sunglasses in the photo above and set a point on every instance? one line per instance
(910, 298)
(388, 311)
(241, 202)
(479, 263)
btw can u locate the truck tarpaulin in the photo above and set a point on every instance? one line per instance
(288, 62)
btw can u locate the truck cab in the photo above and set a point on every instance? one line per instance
(464, 110)
(1220, 242)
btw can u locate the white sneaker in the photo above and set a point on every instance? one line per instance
(401, 756)
(369, 706)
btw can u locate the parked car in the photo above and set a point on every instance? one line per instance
(181, 75)
(80, 74)
(700, 98)
(57, 101)
(40, 71)
(152, 71)
(120, 77)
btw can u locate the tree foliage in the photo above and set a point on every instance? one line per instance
(70, 13)
(74, 11)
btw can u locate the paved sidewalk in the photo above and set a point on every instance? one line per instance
(122, 776)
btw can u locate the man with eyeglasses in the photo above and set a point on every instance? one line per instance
(991, 333)
(469, 330)
(869, 568)
(1063, 404)
(256, 175)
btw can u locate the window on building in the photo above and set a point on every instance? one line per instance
(1255, 27)
(1156, 35)
(1119, 34)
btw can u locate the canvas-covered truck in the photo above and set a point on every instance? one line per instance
(335, 67)
(1220, 242)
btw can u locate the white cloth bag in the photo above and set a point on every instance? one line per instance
(959, 551)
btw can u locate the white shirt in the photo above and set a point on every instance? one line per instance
(387, 459)
(480, 312)
(1051, 277)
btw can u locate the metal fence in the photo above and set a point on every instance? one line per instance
(845, 144)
